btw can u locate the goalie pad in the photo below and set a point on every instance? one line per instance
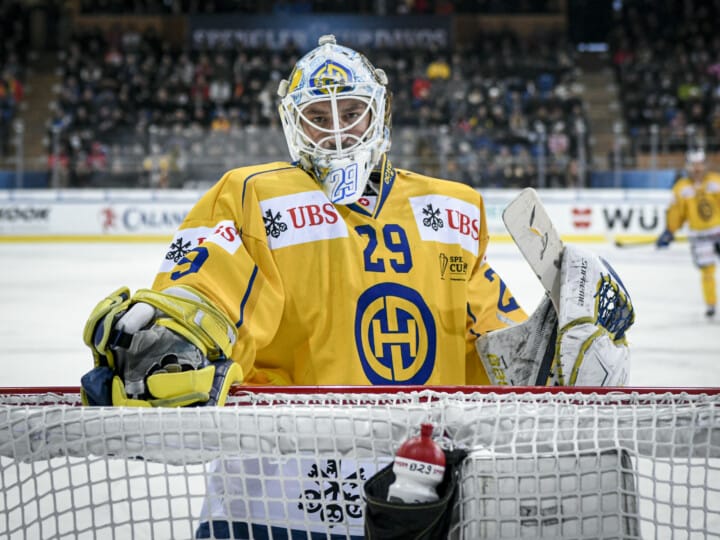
(169, 348)
(584, 345)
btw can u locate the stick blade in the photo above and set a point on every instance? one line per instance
(531, 228)
(624, 242)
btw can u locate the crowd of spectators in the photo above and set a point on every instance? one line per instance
(501, 103)
(501, 111)
(667, 59)
(13, 59)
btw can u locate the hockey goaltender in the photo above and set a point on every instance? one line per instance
(337, 268)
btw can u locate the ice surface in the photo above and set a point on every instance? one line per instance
(47, 290)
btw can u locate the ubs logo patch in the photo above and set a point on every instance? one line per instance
(273, 224)
(300, 218)
(432, 218)
(448, 220)
(395, 335)
(178, 249)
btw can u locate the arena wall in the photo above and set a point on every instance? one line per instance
(153, 215)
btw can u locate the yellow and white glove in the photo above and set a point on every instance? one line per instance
(595, 312)
(159, 349)
(582, 345)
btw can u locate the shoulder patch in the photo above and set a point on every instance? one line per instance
(224, 234)
(447, 220)
(301, 218)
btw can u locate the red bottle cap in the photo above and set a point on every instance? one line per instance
(423, 448)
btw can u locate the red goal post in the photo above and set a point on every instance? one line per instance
(542, 463)
(238, 394)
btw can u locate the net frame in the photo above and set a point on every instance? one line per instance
(536, 423)
(237, 395)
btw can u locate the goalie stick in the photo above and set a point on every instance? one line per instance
(531, 228)
(533, 232)
(619, 242)
(630, 242)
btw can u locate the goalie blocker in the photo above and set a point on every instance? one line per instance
(159, 349)
(582, 343)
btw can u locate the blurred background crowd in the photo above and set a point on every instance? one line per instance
(544, 93)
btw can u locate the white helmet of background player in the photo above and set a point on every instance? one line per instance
(695, 163)
(695, 156)
(338, 156)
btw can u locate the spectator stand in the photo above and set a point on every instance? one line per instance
(666, 57)
(13, 62)
(147, 106)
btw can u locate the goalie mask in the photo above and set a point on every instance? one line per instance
(335, 115)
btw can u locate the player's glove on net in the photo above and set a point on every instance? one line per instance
(159, 349)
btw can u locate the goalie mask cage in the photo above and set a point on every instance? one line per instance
(542, 463)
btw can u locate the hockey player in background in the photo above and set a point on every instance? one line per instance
(696, 201)
(336, 269)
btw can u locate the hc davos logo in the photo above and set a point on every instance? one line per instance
(328, 74)
(395, 335)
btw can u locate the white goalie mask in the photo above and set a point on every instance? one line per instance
(335, 113)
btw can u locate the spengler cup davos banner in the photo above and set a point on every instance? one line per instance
(276, 32)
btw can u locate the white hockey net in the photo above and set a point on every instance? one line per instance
(542, 464)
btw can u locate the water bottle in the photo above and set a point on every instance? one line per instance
(419, 468)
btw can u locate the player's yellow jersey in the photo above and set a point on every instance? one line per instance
(393, 289)
(696, 204)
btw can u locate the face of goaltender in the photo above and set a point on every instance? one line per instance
(341, 129)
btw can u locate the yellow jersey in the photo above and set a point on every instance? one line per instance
(391, 290)
(698, 204)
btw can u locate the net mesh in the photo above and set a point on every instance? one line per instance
(550, 464)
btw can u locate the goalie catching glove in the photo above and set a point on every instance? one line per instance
(159, 349)
(583, 344)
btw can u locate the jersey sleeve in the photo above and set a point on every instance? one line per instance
(216, 251)
(713, 189)
(676, 213)
(491, 306)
